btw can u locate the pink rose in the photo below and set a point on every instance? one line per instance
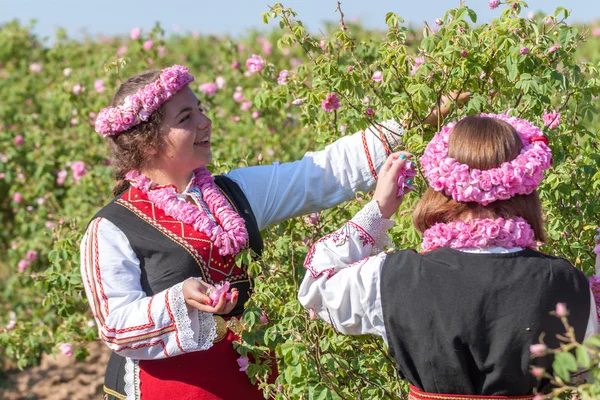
(255, 64)
(494, 4)
(524, 50)
(61, 176)
(561, 310)
(377, 76)
(22, 265)
(77, 89)
(148, 45)
(35, 67)
(66, 349)
(439, 22)
(135, 33)
(78, 168)
(19, 140)
(256, 115)
(17, 197)
(99, 85)
(331, 102)
(31, 255)
(538, 349)
(246, 105)
(243, 363)
(551, 119)
(220, 81)
(238, 97)
(538, 372)
(283, 77)
(464, 53)
(208, 88)
(121, 51)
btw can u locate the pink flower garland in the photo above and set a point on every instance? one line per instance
(519, 176)
(230, 237)
(480, 233)
(138, 106)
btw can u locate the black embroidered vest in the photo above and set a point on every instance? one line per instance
(462, 323)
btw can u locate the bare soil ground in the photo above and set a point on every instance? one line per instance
(59, 378)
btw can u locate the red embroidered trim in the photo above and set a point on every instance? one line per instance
(97, 268)
(141, 336)
(417, 394)
(368, 154)
(384, 141)
(146, 345)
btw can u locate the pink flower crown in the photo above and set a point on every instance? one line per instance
(519, 176)
(138, 106)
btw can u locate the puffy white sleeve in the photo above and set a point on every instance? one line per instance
(321, 179)
(342, 279)
(130, 322)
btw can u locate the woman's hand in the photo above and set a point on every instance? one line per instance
(195, 295)
(445, 107)
(386, 192)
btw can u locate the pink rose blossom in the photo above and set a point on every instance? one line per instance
(67, 71)
(99, 85)
(370, 111)
(121, 51)
(255, 64)
(343, 129)
(596, 32)
(161, 50)
(11, 325)
(19, 140)
(256, 115)
(31, 255)
(283, 77)
(17, 197)
(312, 219)
(538, 349)
(23, 265)
(350, 68)
(494, 4)
(243, 363)
(238, 97)
(216, 294)
(61, 176)
(538, 372)
(524, 50)
(298, 102)
(235, 64)
(464, 53)
(135, 33)
(66, 349)
(220, 81)
(208, 88)
(246, 105)
(148, 45)
(77, 89)
(551, 119)
(264, 319)
(259, 157)
(439, 22)
(78, 168)
(377, 76)
(553, 49)
(561, 310)
(323, 44)
(35, 67)
(331, 102)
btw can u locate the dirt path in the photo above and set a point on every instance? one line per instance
(60, 378)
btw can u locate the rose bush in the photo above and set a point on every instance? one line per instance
(273, 97)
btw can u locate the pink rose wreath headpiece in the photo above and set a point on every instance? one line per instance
(138, 106)
(519, 176)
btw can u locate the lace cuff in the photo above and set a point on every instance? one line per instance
(370, 219)
(197, 329)
(393, 132)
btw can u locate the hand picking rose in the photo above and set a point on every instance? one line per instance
(405, 178)
(216, 293)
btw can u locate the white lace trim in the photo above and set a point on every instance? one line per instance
(132, 379)
(182, 318)
(207, 331)
(393, 132)
(370, 219)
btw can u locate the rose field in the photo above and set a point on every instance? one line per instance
(272, 96)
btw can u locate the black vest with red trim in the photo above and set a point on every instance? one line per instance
(462, 323)
(170, 251)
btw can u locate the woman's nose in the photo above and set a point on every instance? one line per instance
(204, 123)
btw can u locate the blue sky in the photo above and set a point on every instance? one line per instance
(237, 16)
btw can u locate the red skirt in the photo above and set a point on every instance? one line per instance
(213, 374)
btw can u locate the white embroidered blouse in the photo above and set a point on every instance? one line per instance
(151, 327)
(342, 279)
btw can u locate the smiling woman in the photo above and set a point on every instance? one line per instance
(158, 260)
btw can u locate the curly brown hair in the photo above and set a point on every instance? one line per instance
(481, 143)
(129, 149)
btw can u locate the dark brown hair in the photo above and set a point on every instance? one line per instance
(481, 143)
(129, 149)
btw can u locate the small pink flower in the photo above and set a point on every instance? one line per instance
(538, 372)
(161, 50)
(561, 310)
(66, 349)
(264, 319)
(369, 111)
(17, 197)
(280, 388)
(524, 50)
(11, 325)
(538, 397)
(220, 81)
(246, 105)
(208, 88)
(238, 97)
(35, 67)
(283, 77)
(135, 33)
(22, 265)
(259, 158)
(61, 177)
(31, 255)
(551, 119)
(596, 32)
(19, 140)
(41, 201)
(74, 121)
(77, 89)
(439, 22)
(377, 76)
(312, 219)
(67, 71)
(331, 102)
(553, 49)
(464, 53)
(350, 68)
(494, 4)
(99, 85)
(91, 323)
(538, 349)
(256, 115)
(243, 363)
(78, 168)
(323, 44)
(235, 64)
(255, 64)
(312, 314)
(298, 102)
(148, 45)
(343, 129)
(121, 51)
